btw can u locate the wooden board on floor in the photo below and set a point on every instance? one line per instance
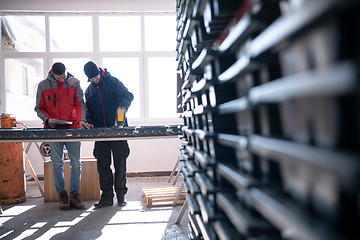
(162, 196)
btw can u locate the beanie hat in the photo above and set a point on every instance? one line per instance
(91, 70)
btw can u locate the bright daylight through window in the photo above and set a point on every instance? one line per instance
(140, 51)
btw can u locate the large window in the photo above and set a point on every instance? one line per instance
(23, 33)
(163, 84)
(120, 33)
(70, 34)
(155, 39)
(137, 48)
(22, 76)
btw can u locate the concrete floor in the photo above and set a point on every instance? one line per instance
(36, 219)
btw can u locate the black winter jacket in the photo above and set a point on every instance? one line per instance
(103, 99)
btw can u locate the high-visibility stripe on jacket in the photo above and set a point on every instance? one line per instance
(60, 100)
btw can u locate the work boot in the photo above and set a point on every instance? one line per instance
(103, 203)
(75, 200)
(121, 199)
(64, 201)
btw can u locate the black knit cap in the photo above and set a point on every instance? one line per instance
(91, 70)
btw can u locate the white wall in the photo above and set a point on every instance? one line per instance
(146, 155)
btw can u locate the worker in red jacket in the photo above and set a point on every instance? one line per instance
(60, 104)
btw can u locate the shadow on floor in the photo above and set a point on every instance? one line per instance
(36, 219)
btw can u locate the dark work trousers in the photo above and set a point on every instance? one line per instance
(102, 152)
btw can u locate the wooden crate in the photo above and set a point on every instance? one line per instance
(162, 196)
(89, 184)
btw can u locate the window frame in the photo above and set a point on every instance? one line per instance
(96, 55)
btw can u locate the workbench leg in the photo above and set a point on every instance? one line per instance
(173, 171)
(28, 163)
(182, 211)
(178, 194)
(36, 144)
(1, 211)
(176, 178)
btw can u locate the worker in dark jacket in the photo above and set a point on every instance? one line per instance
(103, 97)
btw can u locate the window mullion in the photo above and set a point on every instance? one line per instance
(2, 77)
(143, 74)
(145, 88)
(48, 59)
(96, 39)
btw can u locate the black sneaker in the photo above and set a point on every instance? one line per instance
(121, 200)
(103, 203)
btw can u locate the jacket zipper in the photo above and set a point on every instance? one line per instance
(102, 107)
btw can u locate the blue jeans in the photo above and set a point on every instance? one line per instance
(57, 158)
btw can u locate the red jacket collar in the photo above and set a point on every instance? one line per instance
(102, 72)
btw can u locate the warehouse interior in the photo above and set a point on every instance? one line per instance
(266, 94)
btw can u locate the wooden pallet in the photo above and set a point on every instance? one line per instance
(162, 196)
